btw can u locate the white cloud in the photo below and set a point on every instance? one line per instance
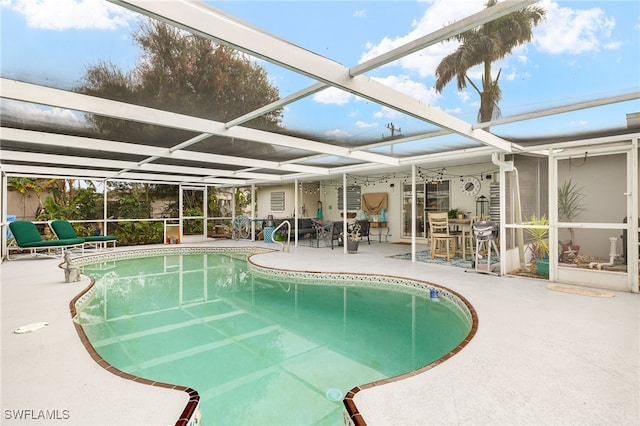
(564, 30)
(463, 95)
(360, 13)
(614, 45)
(401, 83)
(363, 125)
(387, 113)
(337, 134)
(415, 89)
(520, 53)
(332, 96)
(71, 14)
(42, 114)
(439, 14)
(574, 31)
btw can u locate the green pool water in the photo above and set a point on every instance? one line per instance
(259, 352)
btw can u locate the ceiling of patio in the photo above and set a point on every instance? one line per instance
(233, 153)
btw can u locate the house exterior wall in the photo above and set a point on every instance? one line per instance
(264, 201)
(328, 195)
(24, 207)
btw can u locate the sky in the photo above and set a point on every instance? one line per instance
(583, 50)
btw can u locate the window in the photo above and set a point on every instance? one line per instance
(277, 201)
(437, 196)
(353, 197)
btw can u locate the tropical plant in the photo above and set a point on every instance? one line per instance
(71, 200)
(135, 233)
(52, 210)
(184, 73)
(243, 200)
(353, 234)
(131, 206)
(538, 237)
(26, 186)
(570, 204)
(193, 226)
(484, 45)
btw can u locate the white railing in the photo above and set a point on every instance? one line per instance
(273, 234)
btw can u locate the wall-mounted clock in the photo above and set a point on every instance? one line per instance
(470, 186)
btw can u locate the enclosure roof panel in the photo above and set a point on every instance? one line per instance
(356, 106)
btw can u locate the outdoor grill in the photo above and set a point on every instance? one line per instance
(485, 230)
(485, 233)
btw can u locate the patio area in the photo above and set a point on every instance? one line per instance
(539, 356)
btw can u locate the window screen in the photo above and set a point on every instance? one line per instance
(353, 197)
(277, 201)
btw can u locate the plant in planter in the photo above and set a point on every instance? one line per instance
(570, 205)
(453, 213)
(353, 238)
(539, 244)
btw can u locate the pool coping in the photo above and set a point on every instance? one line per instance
(191, 415)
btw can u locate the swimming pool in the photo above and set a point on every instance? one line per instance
(259, 349)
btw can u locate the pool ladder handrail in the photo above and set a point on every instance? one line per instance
(273, 234)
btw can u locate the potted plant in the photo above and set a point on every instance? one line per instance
(353, 238)
(539, 244)
(453, 214)
(570, 205)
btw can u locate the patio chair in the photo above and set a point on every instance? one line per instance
(322, 233)
(364, 229)
(336, 233)
(28, 238)
(443, 243)
(64, 230)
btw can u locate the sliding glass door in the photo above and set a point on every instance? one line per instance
(430, 197)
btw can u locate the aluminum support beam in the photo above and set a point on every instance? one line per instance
(12, 89)
(201, 19)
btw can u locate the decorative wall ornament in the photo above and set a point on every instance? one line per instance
(373, 202)
(470, 186)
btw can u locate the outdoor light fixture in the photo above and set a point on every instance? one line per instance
(482, 206)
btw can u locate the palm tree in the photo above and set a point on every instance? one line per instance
(484, 45)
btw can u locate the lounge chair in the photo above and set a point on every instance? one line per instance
(64, 230)
(28, 237)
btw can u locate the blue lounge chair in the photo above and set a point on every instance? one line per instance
(64, 230)
(28, 238)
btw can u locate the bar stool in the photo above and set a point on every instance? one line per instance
(440, 235)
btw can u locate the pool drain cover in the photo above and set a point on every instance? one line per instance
(334, 394)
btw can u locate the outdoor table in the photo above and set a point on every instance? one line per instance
(379, 226)
(464, 226)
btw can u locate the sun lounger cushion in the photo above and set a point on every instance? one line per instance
(27, 236)
(64, 229)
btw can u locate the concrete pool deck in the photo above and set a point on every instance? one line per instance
(539, 356)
